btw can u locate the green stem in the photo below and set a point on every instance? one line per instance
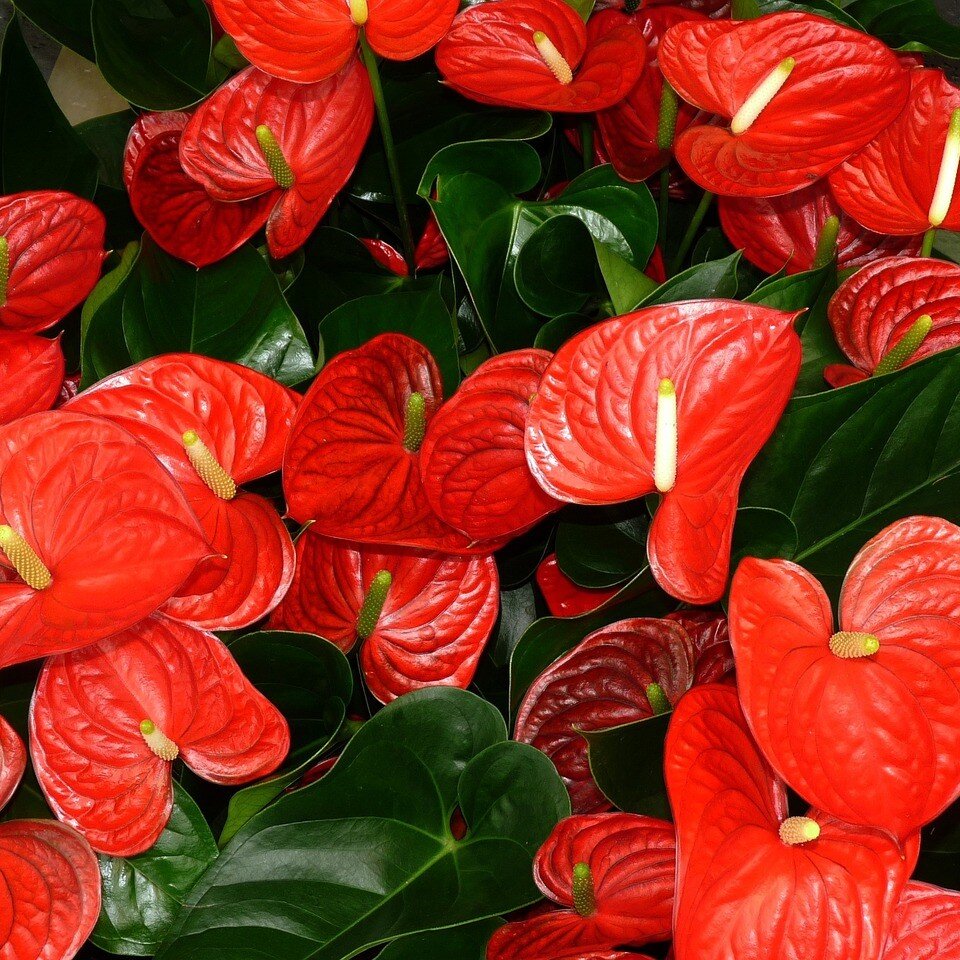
(926, 249)
(687, 242)
(586, 143)
(389, 148)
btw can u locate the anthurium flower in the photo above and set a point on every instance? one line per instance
(861, 720)
(215, 426)
(106, 724)
(13, 761)
(51, 890)
(176, 211)
(259, 136)
(676, 399)
(564, 597)
(421, 619)
(627, 671)
(892, 313)
(796, 95)
(474, 470)
(51, 252)
(538, 54)
(352, 465)
(310, 40)
(753, 882)
(31, 371)
(612, 876)
(94, 534)
(803, 229)
(926, 924)
(888, 193)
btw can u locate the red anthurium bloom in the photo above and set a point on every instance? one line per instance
(803, 229)
(177, 212)
(711, 642)
(538, 54)
(628, 131)
(13, 761)
(926, 924)
(627, 671)
(31, 374)
(107, 722)
(432, 250)
(860, 721)
(888, 195)
(310, 40)
(94, 534)
(214, 426)
(612, 875)
(51, 890)
(422, 618)
(753, 882)
(475, 473)
(564, 597)
(352, 464)
(51, 251)
(259, 136)
(390, 258)
(797, 94)
(893, 313)
(677, 399)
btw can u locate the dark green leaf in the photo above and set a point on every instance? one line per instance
(822, 7)
(67, 21)
(908, 25)
(762, 532)
(466, 942)
(718, 278)
(518, 610)
(605, 553)
(106, 138)
(555, 272)
(940, 850)
(819, 346)
(799, 291)
(515, 166)
(626, 284)
(556, 332)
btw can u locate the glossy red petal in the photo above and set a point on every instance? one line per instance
(13, 761)
(431, 249)
(175, 210)
(845, 88)
(49, 891)
(388, 257)
(889, 186)
(742, 892)
(404, 29)
(845, 732)
(564, 597)
(782, 232)
(31, 374)
(875, 308)
(842, 375)
(437, 617)
(474, 469)
(602, 682)
(489, 55)
(320, 129)
(104, 517)
(552, 936)
(926, 925)
(300, 40)
(55, 249)
(94, 764)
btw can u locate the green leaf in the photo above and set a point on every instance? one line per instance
(466, 942)
(515, 166)
(555, 271)
(67, 21)
(819, 345)
(762, 532)
(106, 139)
(556, 332)
(940, 850)
(421, 315)
(825, 8)
(367, 854)
(233, 310)
(798, 291)
(40, 150)
(602, 554)
(716, 278)
(908, 25)
(143, 895)
(155, 53)
(627, 285)
(518, 609)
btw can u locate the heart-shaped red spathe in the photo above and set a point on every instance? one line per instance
(631, 862)
(889, 186)
(49, 890)
(489, 55)
(32, 371)
(603, 682)
(474, 469)
(880, 305)
(102, 717)
(564, 597)
(926, 924)
(243, 419)
(54, 252)
(591, 431)
(628, 130)
(845, 88)
(317, 131)
(744, 893)
(106, 520)
(870, 738)
(310, 40)
(436, 617)
(175, 210)
(13, 761)
(778, 233)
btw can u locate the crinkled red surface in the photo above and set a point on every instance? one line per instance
(31, 371)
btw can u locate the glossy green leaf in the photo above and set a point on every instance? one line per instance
(716, 278)
(367, 854)
(823, 8)
(556, 332)
(605, 552)
(556, 271)
(466, 942)
(106, 138)
(67, 21)
(798, 291)
(518, 610)
(762, 532)
(908, 25)
(626, 284)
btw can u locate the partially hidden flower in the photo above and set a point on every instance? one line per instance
(31, 374)
(564, 597)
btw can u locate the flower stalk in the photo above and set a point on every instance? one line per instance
(208, 467)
